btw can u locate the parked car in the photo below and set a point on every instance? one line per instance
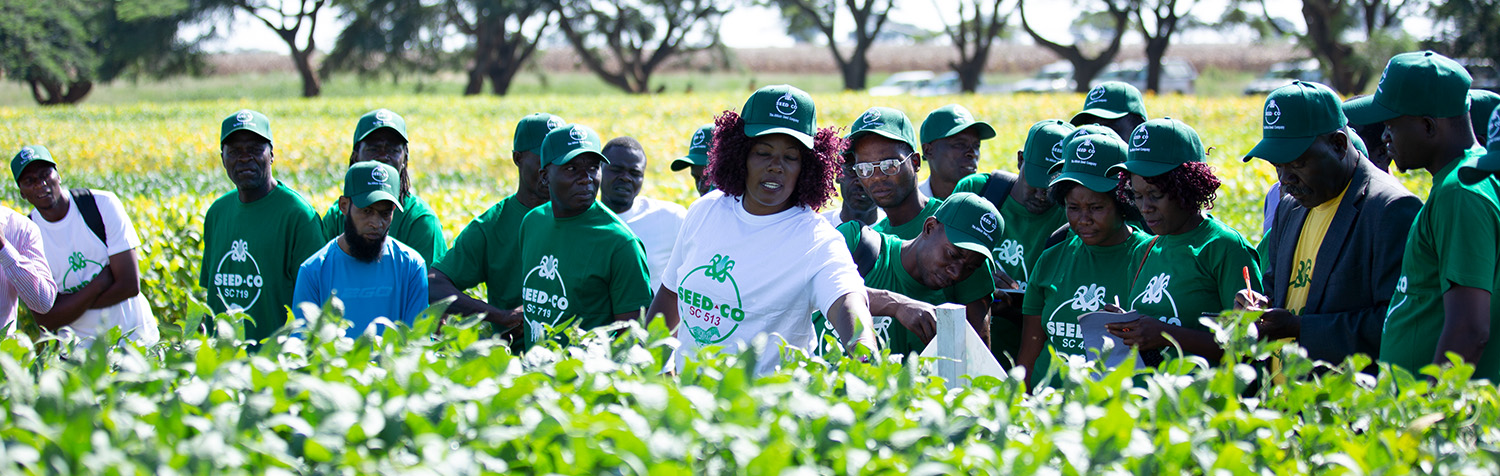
(947, 84)
(901, 83)
(1052, 78)
(1484, 73)
(1177, 76)
(1282, 74)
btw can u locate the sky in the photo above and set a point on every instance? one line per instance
(756, 27)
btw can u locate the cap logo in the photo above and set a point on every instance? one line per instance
(383, 115)
(698, 138)
(577, 134)
(553, 123)
(1273, 113)
(378, 175)
(29, 153)
(243, 117)
(1057, 152)
(1086, 151)
(961, 116)
(1096, 94)
(870, 119)
(1380, 87)
(1140, 136)
(988, 222)
(786, 104)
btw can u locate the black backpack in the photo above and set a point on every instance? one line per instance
(89, 208)
(867, 250)
(997, 189)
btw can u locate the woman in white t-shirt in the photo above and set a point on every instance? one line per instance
(753, 257)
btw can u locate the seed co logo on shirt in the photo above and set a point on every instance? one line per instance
(1156, 289)
(1273, 115)
(238, 277)
(77, 276)
(709, 321)
(1088, 298)
(1013, 253)
(786, 105)
(546, 297)
(1494, 126)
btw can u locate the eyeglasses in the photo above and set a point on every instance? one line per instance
(887, 166)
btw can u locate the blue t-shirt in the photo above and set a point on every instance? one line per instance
(393, 287)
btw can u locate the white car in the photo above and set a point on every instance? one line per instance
(902, 83)
(1053, 78)
(1177, 76)
(1282, 74)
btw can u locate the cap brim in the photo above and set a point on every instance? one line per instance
(687, 161)
(1091, 182)
(1055, 168)
(1036, 175)
(986, 132)
(372, 131)
(1146, 168)
(1280, 150)
(1364, 110)
(1488, 164)
(252, 131)
(575, 154)
(1105, 114)
(29, 163)
(757, 130)
(886, 134)
(968, 242)
(364, 201)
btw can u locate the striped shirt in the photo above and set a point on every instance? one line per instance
(25, 272)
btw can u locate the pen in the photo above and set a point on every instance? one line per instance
(1246, 271)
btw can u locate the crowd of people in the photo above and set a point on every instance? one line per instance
(1110, 210)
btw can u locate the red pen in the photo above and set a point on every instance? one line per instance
(1246, 271)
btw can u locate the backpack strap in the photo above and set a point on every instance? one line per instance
(89, 208)
(997, 189)
(866, 250)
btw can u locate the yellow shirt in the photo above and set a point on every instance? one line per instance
(1314, 227)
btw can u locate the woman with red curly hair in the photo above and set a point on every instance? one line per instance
(1196, 264)
(753, 257)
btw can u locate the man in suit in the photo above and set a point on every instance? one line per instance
(1335, 248)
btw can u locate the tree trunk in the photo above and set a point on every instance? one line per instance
(1325, 45)
(855, 71)
(52, 93)
(483, 61)
(970, 70)
(1156, 48)
(311, 86)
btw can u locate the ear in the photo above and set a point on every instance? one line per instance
(916, 163)
(1430, 125)
(931, 225)
(1020, 160)
(926, 149)
(346, 206)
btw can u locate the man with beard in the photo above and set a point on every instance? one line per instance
(654, 221)
(1445, 299)
(580, 265)
(372, 275)
(696, 159)
(255, 237)
(91, 247)
(882, 145)
(1030, 217)
(856, 206)
(487, 251)
(1333, 253)
(380, 135)
(950, 143)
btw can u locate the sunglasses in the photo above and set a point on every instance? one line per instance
(887, 166)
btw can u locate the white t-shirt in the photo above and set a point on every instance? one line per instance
(656, 222)
(834, 216)
(75, 256)
(739, 275)
(925, 187)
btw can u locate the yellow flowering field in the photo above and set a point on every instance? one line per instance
(163, 159)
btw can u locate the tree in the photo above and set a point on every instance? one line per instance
(869, 17)
(1471, 28)
(389, 37)
(500, 50)
(1165, 20)
(62, 48)
(294, 23)
(975, 33)
(637, 36)
(1328, 22)
(1084, 67)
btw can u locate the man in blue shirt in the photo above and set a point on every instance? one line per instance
(372, 275)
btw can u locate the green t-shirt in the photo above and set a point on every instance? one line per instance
(908, 230)
(1451, 243)
(1025, 233)
(589, 266)
(416, 227)
(1073, 279)
(1186, 275)
(251, 252)
(487, 251)
(888, 274)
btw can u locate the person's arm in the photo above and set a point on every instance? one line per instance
(426, 237)
(850, 316)
(415, 299)
(978, 313)
(26, 267)
(439, 287)
(1033, 339)
(665, 305)
(1148, 333)
(628, 316)
(69, 307)
(916, 316)
(124, 269)
(1466, 324)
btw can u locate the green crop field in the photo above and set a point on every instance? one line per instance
(455, 403)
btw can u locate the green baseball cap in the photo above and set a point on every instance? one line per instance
(1043, 149)
(1420, 83)
(697, 148)
(1160, 145)
(1295, 115)
(27, 155)
(246, 120)
(1080, 131)
(1481, 104)
(369, 182)
(952, 119)
(533, 129)
(1357, 141)
(971, 223)
(1092, 161)
(377, 119)
(781, 109)
(565, 143)
(1489, 163)
(885, 122)
(1111, 100)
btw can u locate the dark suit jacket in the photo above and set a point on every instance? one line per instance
(1357, 264)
